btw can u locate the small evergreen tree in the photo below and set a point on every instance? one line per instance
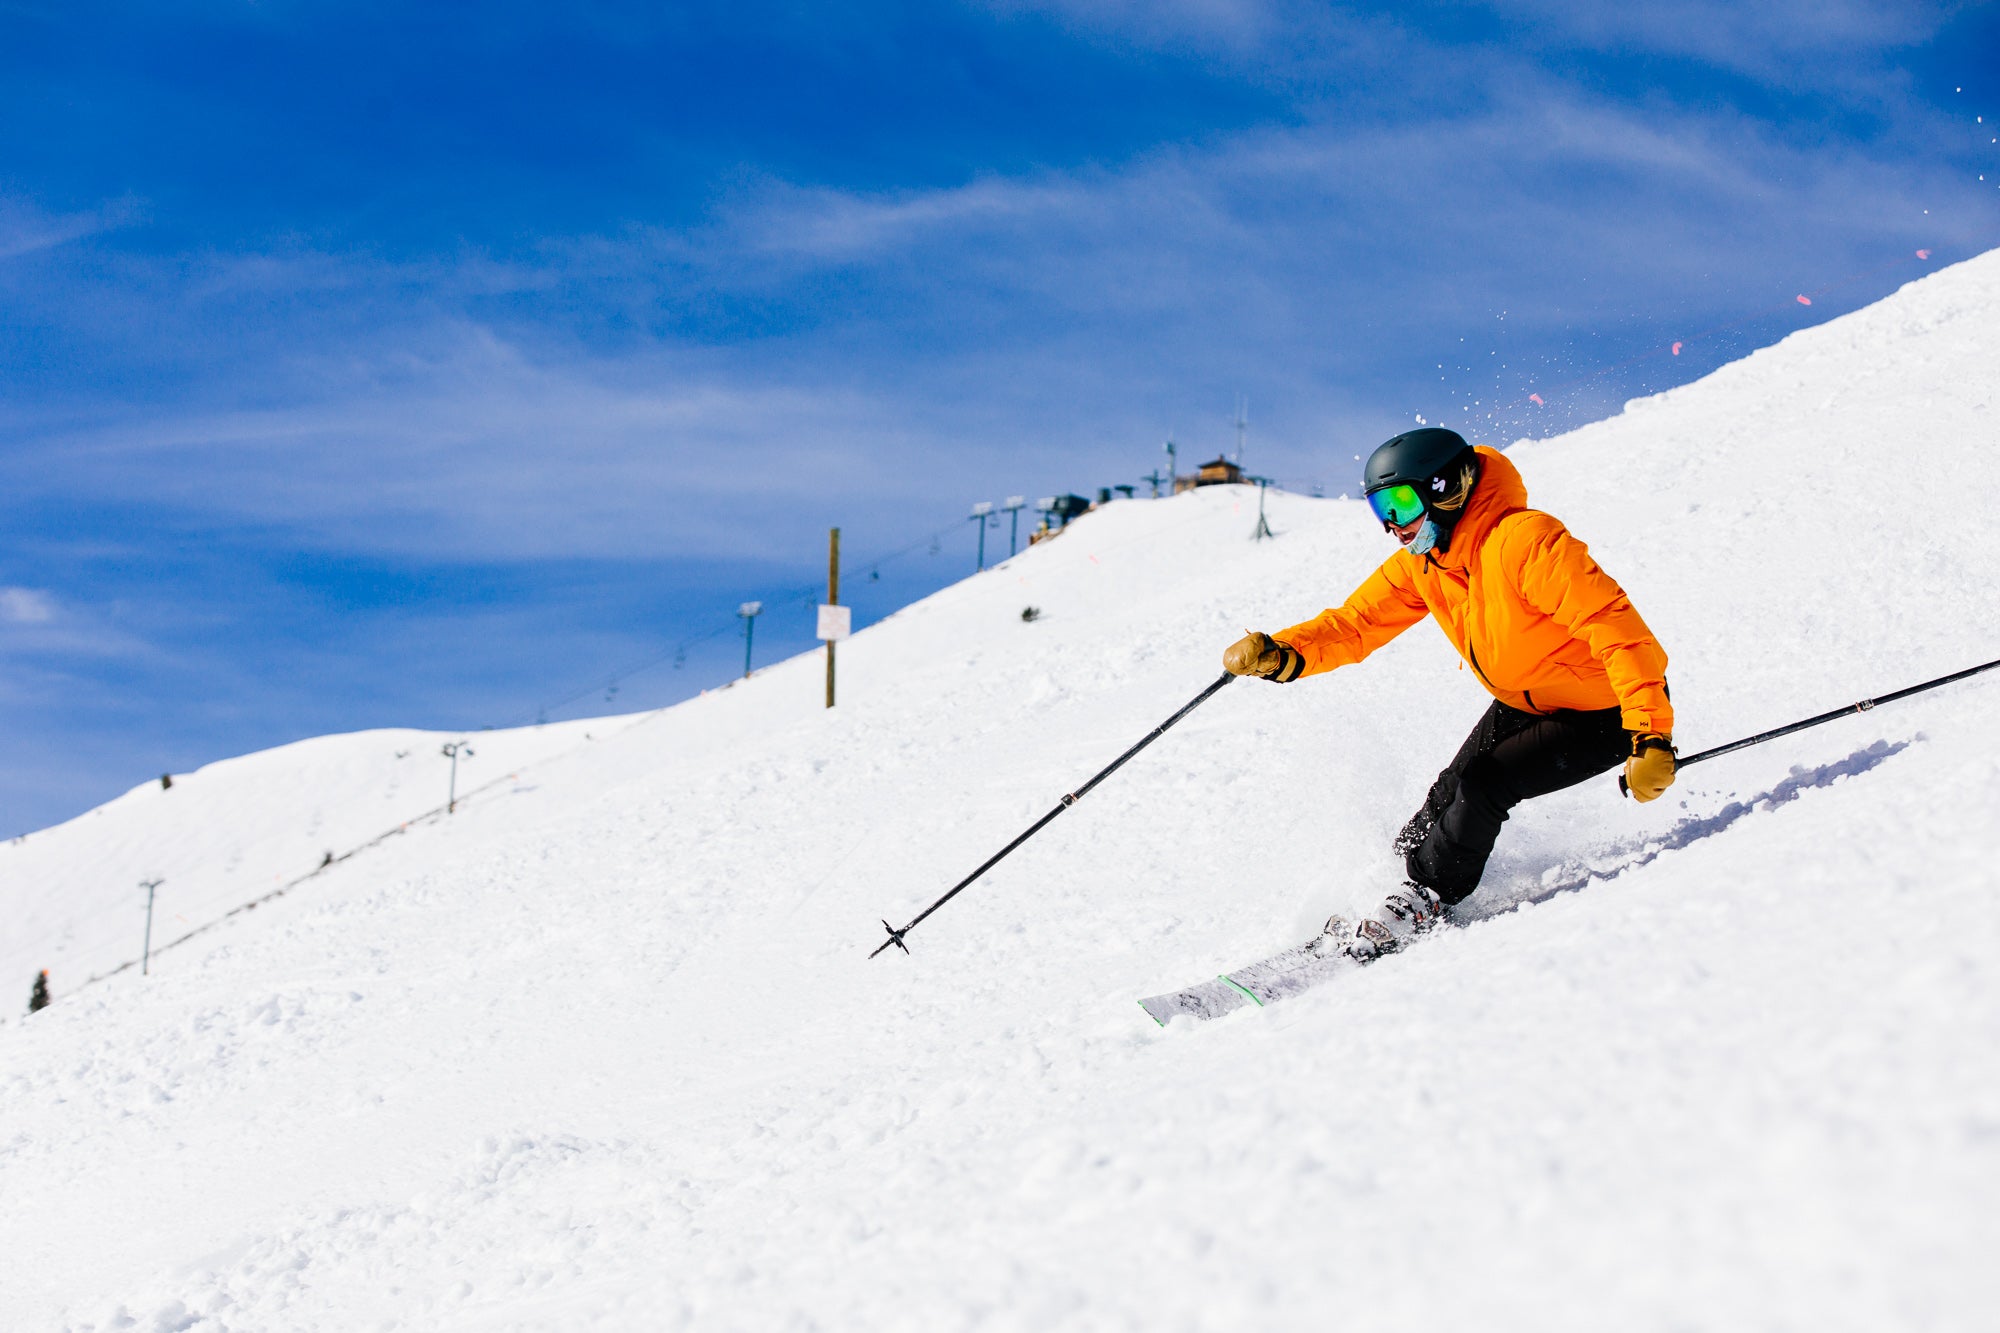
(39, 997)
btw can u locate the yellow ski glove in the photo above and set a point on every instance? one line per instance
(1650, 770)
(1258, 654)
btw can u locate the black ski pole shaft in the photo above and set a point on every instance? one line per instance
(896, 936)
(1859, 706)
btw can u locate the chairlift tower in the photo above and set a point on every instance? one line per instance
(749, 611)
(452, 750)
(1173, 465)
(1263, 528)
(1015, 504)
(1242, 425)
(980, 513)
(151, 886)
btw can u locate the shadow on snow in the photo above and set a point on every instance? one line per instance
(1571, 874)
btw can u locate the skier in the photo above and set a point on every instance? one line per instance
(1578, 681)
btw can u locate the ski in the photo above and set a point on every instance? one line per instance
(1267, 981)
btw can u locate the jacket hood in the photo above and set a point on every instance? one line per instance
(1498, 492)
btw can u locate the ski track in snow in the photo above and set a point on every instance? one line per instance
(604, 1049)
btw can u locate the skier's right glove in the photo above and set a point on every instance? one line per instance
(1650, 770)
(1258, 654)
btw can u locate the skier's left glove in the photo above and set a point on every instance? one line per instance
(1650, 770)
(1258, 654)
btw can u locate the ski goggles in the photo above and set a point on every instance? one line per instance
(1398, 505)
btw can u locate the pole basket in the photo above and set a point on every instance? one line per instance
(895, 938)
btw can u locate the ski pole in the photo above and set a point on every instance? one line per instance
(1861, 706)
(896, 936)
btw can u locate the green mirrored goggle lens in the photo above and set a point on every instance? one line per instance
(1397, 505)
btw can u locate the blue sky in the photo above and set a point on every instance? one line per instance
(365, 368)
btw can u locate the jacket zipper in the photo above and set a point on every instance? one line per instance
(1475, 664)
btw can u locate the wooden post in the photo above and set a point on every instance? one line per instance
(832, 599)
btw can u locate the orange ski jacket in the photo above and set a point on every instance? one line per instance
(1527, 608)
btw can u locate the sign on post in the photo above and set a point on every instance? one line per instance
(835, 622)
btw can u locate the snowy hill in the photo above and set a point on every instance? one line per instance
(604, 1049)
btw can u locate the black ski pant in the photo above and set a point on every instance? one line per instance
(1509, 757)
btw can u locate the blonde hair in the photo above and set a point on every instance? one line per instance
(1468, 476)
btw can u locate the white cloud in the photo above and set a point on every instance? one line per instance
(1766, 39)
(837, 225)
(38, 627)
(1817, 45)
(26, 228)
(888, 350)
(1539, 181)
(472, 448)
(26, 606)
(1242, 25)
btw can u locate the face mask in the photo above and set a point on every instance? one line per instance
(1425, 540)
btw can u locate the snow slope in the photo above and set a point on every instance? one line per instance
(232, 832)
(604, 1050)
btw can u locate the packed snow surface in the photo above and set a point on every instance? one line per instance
(605, 1050)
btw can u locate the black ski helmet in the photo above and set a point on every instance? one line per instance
(1432, 460)
(1414, 457)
